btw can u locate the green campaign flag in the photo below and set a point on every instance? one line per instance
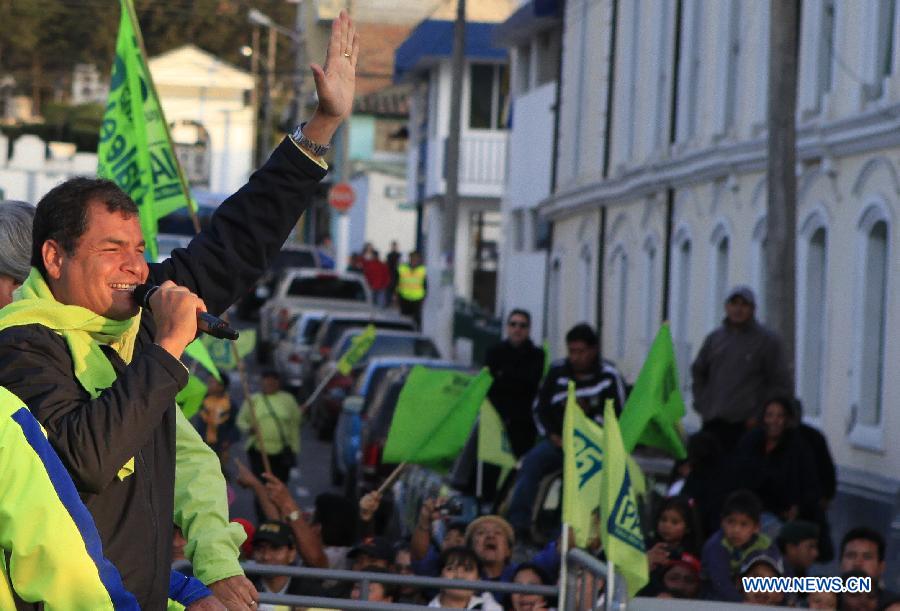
(493, 442)
(582, 445)
(191, 396)
(220, 349)
(359, 347)
(197, 351)
(652, 415)
(135, 150)
(620, 530)
(434, 416)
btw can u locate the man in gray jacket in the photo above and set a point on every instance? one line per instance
(739, 365)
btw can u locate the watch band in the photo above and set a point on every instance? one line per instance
(313, 147)
(294, 516)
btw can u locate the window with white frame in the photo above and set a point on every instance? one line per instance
(691, 53)
(620, 275)
(488, 95)
(872, 325)
(681, 310)
(825, 54)
(884, 13)
(586, 281)
(732, 65)
(812, 348)
(651, 292)
(758, 268)
(721, 253)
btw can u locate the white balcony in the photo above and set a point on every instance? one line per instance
(482, 164)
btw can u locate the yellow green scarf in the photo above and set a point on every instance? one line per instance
(83, 330)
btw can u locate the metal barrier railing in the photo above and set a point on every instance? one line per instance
(582, 590)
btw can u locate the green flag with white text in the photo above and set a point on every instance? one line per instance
(434, 416)
(135, 150)
(620, 530)
(652, 415)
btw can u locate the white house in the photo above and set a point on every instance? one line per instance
(207, 103)
(424, 61)
(657, 163)
(534, 35)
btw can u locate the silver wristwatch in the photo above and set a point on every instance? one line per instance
(313, 147)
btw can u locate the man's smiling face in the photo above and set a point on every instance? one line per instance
(108, 262)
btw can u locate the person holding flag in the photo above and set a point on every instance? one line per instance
(596, 380)
(100, 376)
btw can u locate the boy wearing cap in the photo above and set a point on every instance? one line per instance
(739, 364)
(762, 564)
(273, 544)
(492, 539)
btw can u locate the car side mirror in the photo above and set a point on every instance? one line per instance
(353, 404)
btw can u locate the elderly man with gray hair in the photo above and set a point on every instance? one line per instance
(15, 246)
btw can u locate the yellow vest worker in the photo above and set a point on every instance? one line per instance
(411, 285)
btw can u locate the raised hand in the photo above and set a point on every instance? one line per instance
(335, 82)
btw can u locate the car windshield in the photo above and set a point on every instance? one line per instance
(337, 328)
(294, 258)
(393, 345)
(327, 287)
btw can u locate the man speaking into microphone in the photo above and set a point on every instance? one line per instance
(100, 374)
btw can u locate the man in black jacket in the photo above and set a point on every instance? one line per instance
(88, 248)
(516, 365)
(596, 380)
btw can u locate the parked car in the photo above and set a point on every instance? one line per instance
(293, 256)
(310, 289)
(291, 354)
(354, 408)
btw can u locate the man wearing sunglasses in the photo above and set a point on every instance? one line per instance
(517, 365)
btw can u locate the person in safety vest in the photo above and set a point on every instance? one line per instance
(411, 287)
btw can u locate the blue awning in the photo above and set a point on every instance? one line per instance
(432, 40)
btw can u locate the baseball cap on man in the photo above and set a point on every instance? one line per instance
(744, 292)
(764, 558)
(274, 532)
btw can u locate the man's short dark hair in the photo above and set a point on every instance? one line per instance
(743, 502)
(582, 332)
(62, 214)
(519, 312)
(864, 533)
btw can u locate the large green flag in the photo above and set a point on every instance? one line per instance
(620, 530)
(493, 442)
(359, 346)
(582, 464)
(190, 398)
(434, 416)
(652, 415)
(135, 150)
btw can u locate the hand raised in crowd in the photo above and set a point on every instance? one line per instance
(236, 593)
(175, 311)
(368, 505)
(430, 512)
(280, 495)
(245, 477)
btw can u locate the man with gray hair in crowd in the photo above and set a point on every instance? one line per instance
(15, 246)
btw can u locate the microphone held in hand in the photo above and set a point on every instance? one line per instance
(207, 323)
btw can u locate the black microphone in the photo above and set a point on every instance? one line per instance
(207, 323)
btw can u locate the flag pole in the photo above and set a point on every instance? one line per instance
(315, 394)
(479, 480)
(392, 478)
(564, 573)
(610, 585)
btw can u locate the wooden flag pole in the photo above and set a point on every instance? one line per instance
(392, 478)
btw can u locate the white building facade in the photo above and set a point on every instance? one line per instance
(661, 156)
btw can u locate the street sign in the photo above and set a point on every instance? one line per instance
(341, 197)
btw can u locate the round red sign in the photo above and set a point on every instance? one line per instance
(341, 197)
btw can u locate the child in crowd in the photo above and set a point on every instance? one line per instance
(530, 574)
(733, 544)
(680, 578)
(822, 600)
(761, 564)
(462, 563)
(676, 531)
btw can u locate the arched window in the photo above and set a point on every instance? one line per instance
(651, 290)
(758, 267)
(620, 279)
(874, 307)
(585, 283)
(721, 250)
(192, 147)
(812, 287)
(681, 308)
